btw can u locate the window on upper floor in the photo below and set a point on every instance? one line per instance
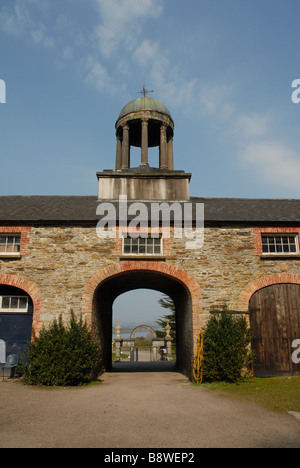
(14, 304)
(142, 246)
(280, 244)
(10, 244)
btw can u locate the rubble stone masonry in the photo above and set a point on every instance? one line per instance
(57, 263)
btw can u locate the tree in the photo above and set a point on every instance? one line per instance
(226, 347)
(62, 355)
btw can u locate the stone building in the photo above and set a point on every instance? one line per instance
(53, 258)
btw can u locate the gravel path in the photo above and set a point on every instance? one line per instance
(137, 410)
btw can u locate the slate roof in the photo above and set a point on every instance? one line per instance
(82, 209)
(47, 208)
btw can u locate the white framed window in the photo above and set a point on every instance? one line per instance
(14, 304)
(142, 246)
(10, 244)
(286, 244)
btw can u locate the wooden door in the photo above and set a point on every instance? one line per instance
(275, 320)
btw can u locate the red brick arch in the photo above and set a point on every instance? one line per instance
(159, 267)
(32, 290)
(263, 282)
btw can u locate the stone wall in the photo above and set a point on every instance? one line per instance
(229, 260)
(57, 263)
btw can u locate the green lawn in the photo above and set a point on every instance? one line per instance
(276, 393)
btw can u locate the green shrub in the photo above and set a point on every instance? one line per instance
(226, 347)
(61, 355)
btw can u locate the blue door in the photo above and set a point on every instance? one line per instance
(16, 311)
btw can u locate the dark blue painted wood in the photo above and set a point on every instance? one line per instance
(15, 328)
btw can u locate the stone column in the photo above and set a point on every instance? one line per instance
(163, 147)
(118, 341)
(144, 161)
(119, 153)
(168, 341)
(170, 155)
(155, 347)
(169, 351)
(125, 147)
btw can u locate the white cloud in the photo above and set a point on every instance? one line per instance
(249, 126)
(121, 22)
(39, 36)
(146, 52)
(98, 76)
(17, 18)
(173, 88)
(260, 153)
(118, 42)
(14, 18)
(213, 99)
(67, 52)
(274, 163)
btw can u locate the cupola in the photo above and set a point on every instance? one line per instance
(144, 123)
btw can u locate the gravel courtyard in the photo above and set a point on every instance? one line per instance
(137, 410)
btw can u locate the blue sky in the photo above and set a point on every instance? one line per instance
(224, 68)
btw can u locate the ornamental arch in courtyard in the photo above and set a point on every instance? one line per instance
(107, 284)
(139, 328)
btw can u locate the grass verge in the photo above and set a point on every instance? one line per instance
(276, 393)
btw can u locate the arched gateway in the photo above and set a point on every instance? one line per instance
(107, 284)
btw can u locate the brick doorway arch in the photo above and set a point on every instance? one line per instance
(107, 284)
(273, 303)
(263, 282)
(32, 291)
(16, 327)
